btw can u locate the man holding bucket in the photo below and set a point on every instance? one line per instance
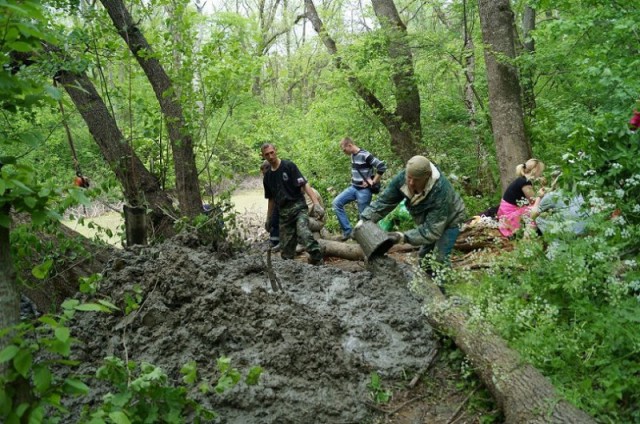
(436, 208)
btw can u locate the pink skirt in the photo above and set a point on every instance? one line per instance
(509, 216)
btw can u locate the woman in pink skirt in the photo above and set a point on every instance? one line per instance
(519, 197)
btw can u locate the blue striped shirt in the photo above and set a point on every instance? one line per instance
(366, 164)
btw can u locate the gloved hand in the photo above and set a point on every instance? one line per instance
(267, 224)
(396, 236)
(358, 224)
(317, 211)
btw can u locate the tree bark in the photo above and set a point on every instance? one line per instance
(63, 281)
(337, 249)
(484, 181)
(529, 46)
(505, 102)
(187, 184)
(521, 391)
(9, 295)
(407, 94)
(140, 187)
(405, 136)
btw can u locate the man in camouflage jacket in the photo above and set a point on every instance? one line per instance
(436, 208)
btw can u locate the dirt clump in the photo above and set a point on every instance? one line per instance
(318, 341)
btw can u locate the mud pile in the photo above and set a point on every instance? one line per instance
(318, 341)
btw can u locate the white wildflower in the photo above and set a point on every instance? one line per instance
(619, 220)
(619, 193)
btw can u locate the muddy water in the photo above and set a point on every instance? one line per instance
(318, 341)
(248, 202)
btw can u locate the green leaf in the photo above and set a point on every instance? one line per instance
(21, 409)
(108, 305)
(21, 46)
(20, 184)
(46, 319)
(91, 307)
(37, 415)
(41, 378)
(22, 362)
(8, 353)
(70, 303)
(42, 270)
(5, 403)
(254, 376)
(30, 201)
(190, 372)
(119, 417)
(75, 387)
(62, 334)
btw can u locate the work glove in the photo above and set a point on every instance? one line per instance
(267, 224)
(317, 211)
(358, 224)
(396, 236)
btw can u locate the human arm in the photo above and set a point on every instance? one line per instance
(271, 205)
(379, 166)
(529, 193)
(386, 201)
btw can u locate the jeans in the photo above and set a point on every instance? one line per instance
(350, 194)
(443, 246)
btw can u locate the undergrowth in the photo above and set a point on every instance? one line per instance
(570, 304)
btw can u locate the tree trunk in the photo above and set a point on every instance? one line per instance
(505, 103)
(404, 135)
(521, 391)
(337, 249)
(63, 281)
(528, 43)
(181, 141)
(139, 185)
(484, 180)
(407, 94)
(9, 296)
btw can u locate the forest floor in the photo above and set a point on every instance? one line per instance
(318, 340)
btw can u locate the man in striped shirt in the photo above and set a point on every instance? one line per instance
(366, 170)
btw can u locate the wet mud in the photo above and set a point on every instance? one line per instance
(318, 340)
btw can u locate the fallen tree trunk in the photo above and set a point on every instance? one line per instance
(68, 266)
(352, 251)
(476, 237)
(521, 391)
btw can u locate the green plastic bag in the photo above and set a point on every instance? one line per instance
(399, 218)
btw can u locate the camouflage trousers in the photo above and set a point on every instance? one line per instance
(294, 228)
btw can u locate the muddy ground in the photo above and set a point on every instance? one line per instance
(318, 340)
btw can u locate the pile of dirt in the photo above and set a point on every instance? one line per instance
(318, 341)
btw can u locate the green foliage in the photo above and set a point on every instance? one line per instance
(31, 382)
(378, 393)
(132, 299)
(143, 394)
(570, 311)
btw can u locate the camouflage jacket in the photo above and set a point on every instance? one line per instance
(442, 208)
